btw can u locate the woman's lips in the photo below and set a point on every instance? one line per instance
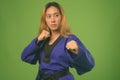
(53, 25)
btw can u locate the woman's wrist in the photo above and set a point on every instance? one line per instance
(39, 40)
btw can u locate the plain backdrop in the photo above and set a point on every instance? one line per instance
(95, 22)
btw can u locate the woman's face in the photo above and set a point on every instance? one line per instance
(53, 18)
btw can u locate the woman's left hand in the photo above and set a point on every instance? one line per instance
(72, 46)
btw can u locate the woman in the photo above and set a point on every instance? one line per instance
(56, 48)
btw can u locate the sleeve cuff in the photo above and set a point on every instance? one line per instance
(76, 56)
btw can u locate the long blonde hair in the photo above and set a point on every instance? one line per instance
(64, 29)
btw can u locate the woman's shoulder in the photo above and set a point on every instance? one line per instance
(72, 37)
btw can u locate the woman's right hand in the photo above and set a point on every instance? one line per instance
(44, 35)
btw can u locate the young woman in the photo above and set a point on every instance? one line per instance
(56, 48)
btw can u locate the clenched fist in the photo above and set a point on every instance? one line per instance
(72, 46)
(44, 35)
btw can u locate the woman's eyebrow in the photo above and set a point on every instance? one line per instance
(53, 13)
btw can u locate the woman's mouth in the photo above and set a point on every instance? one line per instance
(53, 25)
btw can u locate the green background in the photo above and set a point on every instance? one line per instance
(95, 22)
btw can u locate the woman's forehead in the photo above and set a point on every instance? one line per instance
(52, 10)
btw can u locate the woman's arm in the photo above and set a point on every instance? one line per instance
(83, 61)
(31, 53)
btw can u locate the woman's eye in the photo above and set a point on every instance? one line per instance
(48, 16)
(56, 15)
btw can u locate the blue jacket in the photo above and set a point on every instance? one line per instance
(60, 57)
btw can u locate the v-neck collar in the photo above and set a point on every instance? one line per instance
(49, 48)
(56, 41)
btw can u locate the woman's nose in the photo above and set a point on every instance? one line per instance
(53, 19)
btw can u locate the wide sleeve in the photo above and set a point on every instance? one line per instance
(84, 61)
(31, 52)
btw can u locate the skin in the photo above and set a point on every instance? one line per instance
(53, 20)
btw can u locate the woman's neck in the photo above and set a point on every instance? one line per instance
(54, 36)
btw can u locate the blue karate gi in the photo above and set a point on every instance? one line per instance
(60, 57)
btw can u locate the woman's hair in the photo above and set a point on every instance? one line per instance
(64, 29)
